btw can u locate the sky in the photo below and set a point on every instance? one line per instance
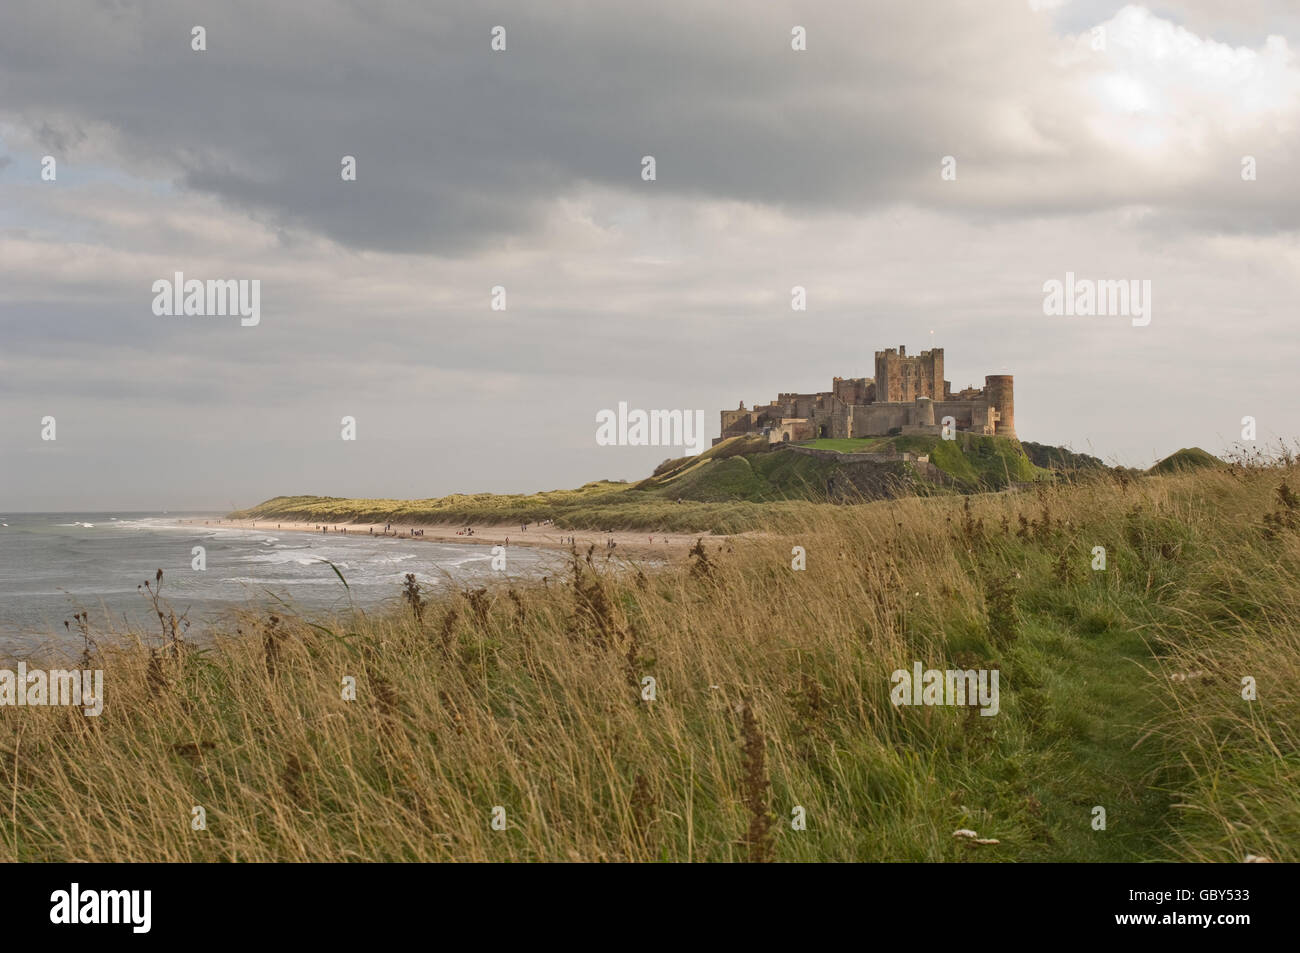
(1098, 138)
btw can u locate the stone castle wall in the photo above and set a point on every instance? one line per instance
(907, 394)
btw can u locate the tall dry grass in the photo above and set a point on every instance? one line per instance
(771, 692)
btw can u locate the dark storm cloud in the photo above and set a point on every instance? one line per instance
(457, 145)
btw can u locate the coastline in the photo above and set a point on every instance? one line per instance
(540, 535)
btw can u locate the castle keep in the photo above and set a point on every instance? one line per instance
(908, 395)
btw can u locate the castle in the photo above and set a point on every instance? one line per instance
(908, 395)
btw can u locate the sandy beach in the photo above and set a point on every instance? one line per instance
(538, 534)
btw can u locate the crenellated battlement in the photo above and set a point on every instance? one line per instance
(907, 395)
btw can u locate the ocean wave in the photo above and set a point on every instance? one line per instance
(286, 581)
(152, 523)
(395, 558)
(298, 556)
(467, 559)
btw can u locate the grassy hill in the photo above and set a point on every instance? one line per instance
(742, 483)
(1189, 458)
(969, 462)
(1059, 458)
(750, 469)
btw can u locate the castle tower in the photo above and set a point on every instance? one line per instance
(998, 392)
(924, 415)
(902, 379)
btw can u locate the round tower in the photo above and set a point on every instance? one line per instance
(998, 392)
(924, 412)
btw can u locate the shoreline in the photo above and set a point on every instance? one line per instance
(538, 535)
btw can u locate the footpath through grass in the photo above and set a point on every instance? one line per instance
(1090, 699)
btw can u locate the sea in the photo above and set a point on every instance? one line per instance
(53, 565)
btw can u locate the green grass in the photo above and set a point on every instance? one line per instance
(851, 445)
(974, 461)
(719, 490)
(1120, 689)
(1059, 458)
(1189, 458)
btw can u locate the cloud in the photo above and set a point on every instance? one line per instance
(458, 146)
(522, 169)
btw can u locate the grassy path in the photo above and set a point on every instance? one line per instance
(1092, 748)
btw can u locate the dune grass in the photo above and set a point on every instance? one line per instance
(1120, 689)
(1188, 458)
(614, 511)
(739, 485)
